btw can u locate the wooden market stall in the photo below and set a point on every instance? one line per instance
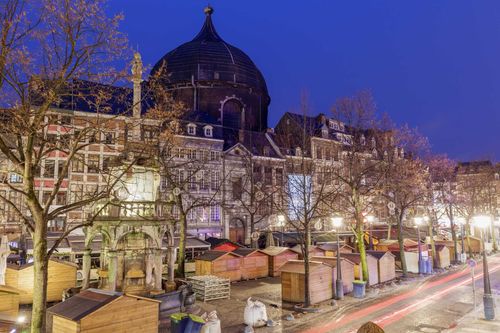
(61, 276)
(393, 244)
(9, 301)
(451, 246)
(100, 311)
(386, 265)
(330, 249)
(314, 251)
(442, 256)
(222, 244)
(277, 257)
(254, 263)
(475, 244)
(372, 266)
(293, 282)
(347, 270)
(219, 263)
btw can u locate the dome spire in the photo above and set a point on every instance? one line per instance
(208, 30)
(208, 10)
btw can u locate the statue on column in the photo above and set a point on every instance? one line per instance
(4, 253)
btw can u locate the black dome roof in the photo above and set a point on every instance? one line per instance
(209, 58)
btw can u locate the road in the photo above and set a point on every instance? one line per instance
(431, 306)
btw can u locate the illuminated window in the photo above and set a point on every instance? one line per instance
(208, 131)
(192, 129)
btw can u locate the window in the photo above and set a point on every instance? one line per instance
(61, 198)
(298, 151)
(214, 180)
(78, 163)
(76, 192)
(362, 140)
(318, 153)
(214, 155)
(109, 138)
(208, 131)
(15, 178)
(257, 173)
(66, 120)
(60, 166)
(268, 175)
(204, 181)
(333, 125)
(93, 163)
(324, 133)
(237, 189)
(279, 176)
(214, 213)
(45, 197)
(191, 129)
(192, 180)
(106, 160)
(49, 170)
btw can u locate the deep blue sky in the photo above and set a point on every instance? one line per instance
(432, 64)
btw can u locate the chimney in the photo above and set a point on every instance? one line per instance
(137, 79)
(270, 130)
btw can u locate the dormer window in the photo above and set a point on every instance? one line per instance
(374, 143)
(191, 129)
(324, 132)
(208, 131)
(362, 140)
(333, 125)
(298, 151)
(342, 127)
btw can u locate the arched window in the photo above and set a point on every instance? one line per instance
(232, 114)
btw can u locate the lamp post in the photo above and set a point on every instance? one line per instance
(461, 222)
(339, 286)
(418, 222)
(281, 223)
(484, 222)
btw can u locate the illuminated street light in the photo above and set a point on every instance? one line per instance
(418, 221)
(483, 222)
(370, 219)
(339, 286)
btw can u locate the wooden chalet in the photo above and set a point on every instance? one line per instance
(443, 259)
(9, 301)
(278, 256)
(293, 283)
(222, 244)
(314, 251)
(386, 265)
(372, 263)
(100, 311)
(330, 249)
(451, 247)
(254, 263)
(475, 244)
(219, 263)
(347, 269)
(61, 276)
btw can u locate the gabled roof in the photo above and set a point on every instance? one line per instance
(219, 241)
(354, 257)
(84, 303)
(59, 261)
(333, 246)
(331, 261)
(379, 254)
(214, 255)
(297, 248)
(9, 290)
(276, 250)
(297, 266)
(245, 252)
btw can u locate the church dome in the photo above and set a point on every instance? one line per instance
(209, 58)
(206, 72)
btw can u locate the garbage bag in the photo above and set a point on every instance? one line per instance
(255, 313)
(212, 323)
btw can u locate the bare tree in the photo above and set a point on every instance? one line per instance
(360, 171)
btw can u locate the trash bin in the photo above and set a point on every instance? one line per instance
(178, 322)
(194, 324)
(359, 288)
(428, 268)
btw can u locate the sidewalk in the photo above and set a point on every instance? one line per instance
(474, 321)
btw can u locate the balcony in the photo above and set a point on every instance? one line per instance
(129, 210)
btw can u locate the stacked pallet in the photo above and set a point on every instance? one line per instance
(210, 287)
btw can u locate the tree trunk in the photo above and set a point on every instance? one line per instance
(170, 253)
(467, 232)
(181, 254)
(307, 292)
(494, 237)
(433, 245)
(40, 264)
(402, 248)
(454, 236)
(360, 233)
(254, 243)
(389, 227)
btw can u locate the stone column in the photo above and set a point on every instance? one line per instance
(86, 268)
(158, 269)
(112, 270)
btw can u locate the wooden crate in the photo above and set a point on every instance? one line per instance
(210, 287)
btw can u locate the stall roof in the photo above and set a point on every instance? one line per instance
(276, 250)
(244, 252)
(21, 267)
(297, 248)
(379, 254)
(213, 255)
(333, 246)
(297, 266)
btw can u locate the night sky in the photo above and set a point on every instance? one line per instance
(432, 64)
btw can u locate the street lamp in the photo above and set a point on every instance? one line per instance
(281, 223)
(418, 222)
(370, 219)
(339, 286)
(483, 222)
(461, 222)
